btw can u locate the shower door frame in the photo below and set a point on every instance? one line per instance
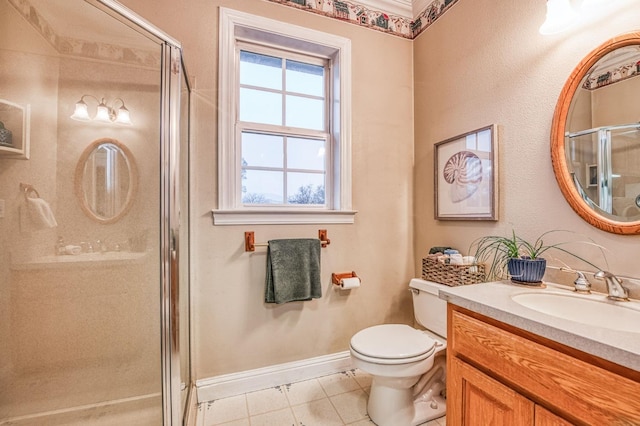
(172, 71)
(169, 234)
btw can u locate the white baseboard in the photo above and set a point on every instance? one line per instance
(263, 378)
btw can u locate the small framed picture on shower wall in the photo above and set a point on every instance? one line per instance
(592, 175)
(466, 176)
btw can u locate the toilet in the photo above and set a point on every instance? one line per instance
(407, 365)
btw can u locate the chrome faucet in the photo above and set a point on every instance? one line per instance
(581, 284)
(614, 286)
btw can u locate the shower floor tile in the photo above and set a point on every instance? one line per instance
(334, 400)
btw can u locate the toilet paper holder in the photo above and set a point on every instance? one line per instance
(336, 278)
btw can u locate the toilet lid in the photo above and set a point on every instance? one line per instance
(392, 341)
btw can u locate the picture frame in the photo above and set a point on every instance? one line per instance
(466, 176)
(592, 175)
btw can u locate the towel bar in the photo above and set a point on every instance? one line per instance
(28, 189)
(250, 242)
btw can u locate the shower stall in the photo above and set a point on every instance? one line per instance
(603, 169)
(94, 217)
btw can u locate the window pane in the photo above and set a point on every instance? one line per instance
(305, 78)
(306, 154)
(305, 188)
(260, 150)
(305, 113)
(260, 70)
(484, 141)
(262, 187)
(258, 106)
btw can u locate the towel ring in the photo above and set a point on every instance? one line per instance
(28, 190)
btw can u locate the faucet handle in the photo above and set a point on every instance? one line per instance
(581, 284)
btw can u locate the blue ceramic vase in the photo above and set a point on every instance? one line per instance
(526, 270)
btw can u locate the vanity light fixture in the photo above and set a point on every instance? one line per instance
(104, 113)
(560, 16)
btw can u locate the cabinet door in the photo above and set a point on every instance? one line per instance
(545, 417)
(476, 399)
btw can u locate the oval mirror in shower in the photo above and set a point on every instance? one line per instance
(106, 180)
(595, 137)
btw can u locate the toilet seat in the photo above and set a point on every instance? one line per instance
(392, 344)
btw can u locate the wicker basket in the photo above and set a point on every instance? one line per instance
(452, 275)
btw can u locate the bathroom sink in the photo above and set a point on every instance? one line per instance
(593, 309)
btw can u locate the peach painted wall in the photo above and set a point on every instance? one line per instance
(461, 74)
(471, 72)
(234, 330)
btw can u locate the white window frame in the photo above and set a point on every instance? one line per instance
(238, 27)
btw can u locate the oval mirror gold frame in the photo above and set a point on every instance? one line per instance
(79, 180)
(558, 154)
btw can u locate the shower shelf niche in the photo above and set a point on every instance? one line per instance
(15, 124)
(85, 260)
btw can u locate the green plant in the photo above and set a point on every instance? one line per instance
(495, 250)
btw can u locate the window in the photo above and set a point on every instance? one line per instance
(283, 128)
(284, 139)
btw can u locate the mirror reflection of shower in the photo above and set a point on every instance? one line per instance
(603, 163)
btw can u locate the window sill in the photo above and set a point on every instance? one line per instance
(282, 217)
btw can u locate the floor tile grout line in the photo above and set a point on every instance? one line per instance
(306, 402)
(349, 373)
(246, 403)
(270, 410)
(295, 418)
(336, 410)
(326, 396)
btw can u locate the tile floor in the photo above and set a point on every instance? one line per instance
(338, 399)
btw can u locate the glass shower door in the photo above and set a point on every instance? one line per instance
(82, 216)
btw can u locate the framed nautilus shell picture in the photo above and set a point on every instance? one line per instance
(466, 176)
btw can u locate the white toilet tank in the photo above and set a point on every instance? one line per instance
(429, 310)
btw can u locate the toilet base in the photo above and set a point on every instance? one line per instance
(426, 411)
(398, 407)
(409, 401)
(391, 405)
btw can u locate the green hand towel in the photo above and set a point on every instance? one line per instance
(293, 270)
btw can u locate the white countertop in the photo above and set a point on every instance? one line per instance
(85, 260)
(494, 300)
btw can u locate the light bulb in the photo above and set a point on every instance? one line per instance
(560, 16)
(81, 113)
(123, 116)
(102, 113)
(593, 6)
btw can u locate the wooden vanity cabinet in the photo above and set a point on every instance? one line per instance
(544, 417)
(501, 375)
(483, 398)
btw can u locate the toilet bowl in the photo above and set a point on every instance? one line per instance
(407, 365)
